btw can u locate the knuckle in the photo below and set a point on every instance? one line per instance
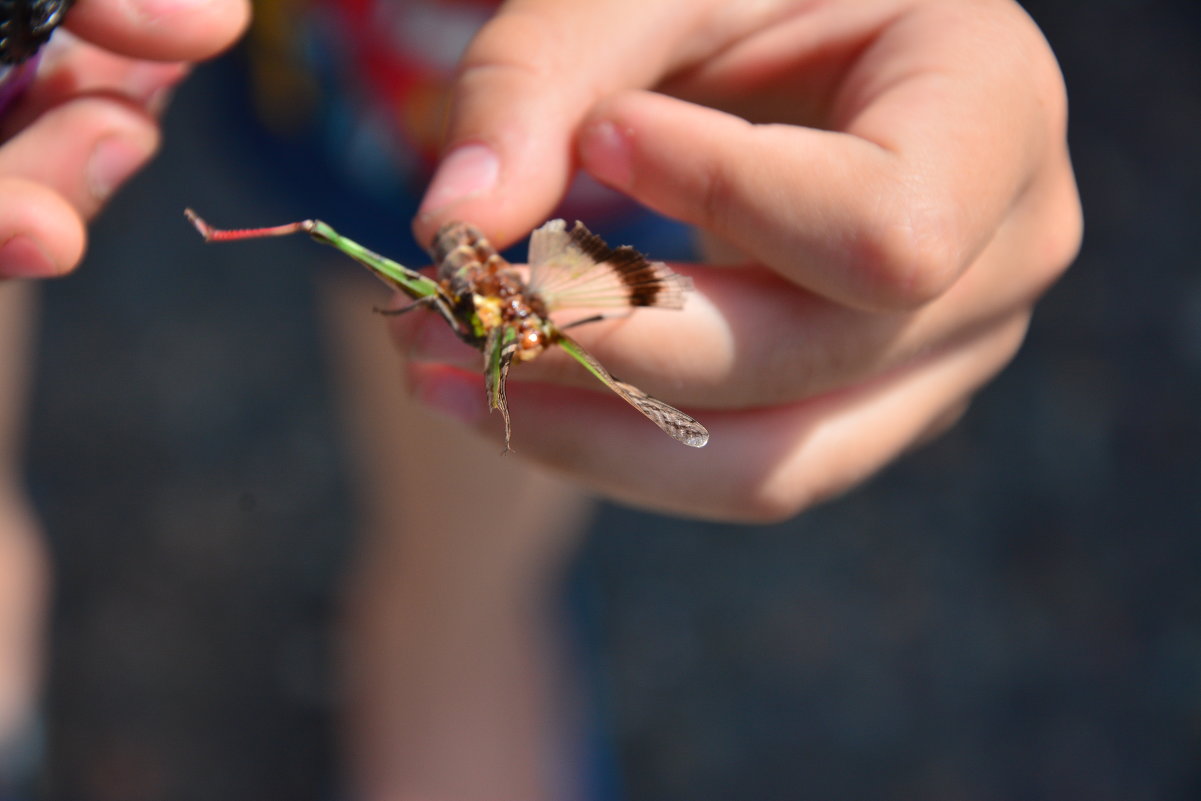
(910, 261)
(1057, 229)
(713, 207)
(1067, 234)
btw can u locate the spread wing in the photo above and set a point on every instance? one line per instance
(577, 269)
(676, 424)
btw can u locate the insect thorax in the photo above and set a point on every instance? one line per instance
(503, 305)
(486, 288)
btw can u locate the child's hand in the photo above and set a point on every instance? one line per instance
(88, 121)
(892, 175)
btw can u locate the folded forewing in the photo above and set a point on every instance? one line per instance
(576, 269)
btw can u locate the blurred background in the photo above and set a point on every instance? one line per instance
(1012, 612)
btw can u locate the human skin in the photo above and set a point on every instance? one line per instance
(888, 181)
(86, 124)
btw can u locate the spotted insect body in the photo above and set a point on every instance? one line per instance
(493, 307)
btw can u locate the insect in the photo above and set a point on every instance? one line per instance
(492, 307)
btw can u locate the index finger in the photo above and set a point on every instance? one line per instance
(160, 30)
(525, 83)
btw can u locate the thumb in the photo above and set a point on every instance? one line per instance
(524, 85)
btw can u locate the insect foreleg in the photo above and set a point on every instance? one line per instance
(437, 303)
(595, 318)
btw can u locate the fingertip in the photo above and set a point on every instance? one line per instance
(469, 171)
(666, 153)
(514, 108)
(21, 256)
(508, 158)
(41, 235)
(161, 30)
(502, 188)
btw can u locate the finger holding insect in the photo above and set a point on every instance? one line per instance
(527, 80)
(857, 150)
(761, 464)
(748, 337)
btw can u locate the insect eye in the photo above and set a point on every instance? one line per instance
(25, 25)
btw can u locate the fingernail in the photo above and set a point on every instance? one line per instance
(157, 103)
(114, 159)
(606, 154)
(448, 392)
(24, 257)
(467, 171)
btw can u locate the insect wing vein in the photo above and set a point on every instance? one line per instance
(576, 269)
(675, 423)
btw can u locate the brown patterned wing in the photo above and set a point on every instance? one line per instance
(576, 269)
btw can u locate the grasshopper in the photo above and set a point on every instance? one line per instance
(491, 306)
